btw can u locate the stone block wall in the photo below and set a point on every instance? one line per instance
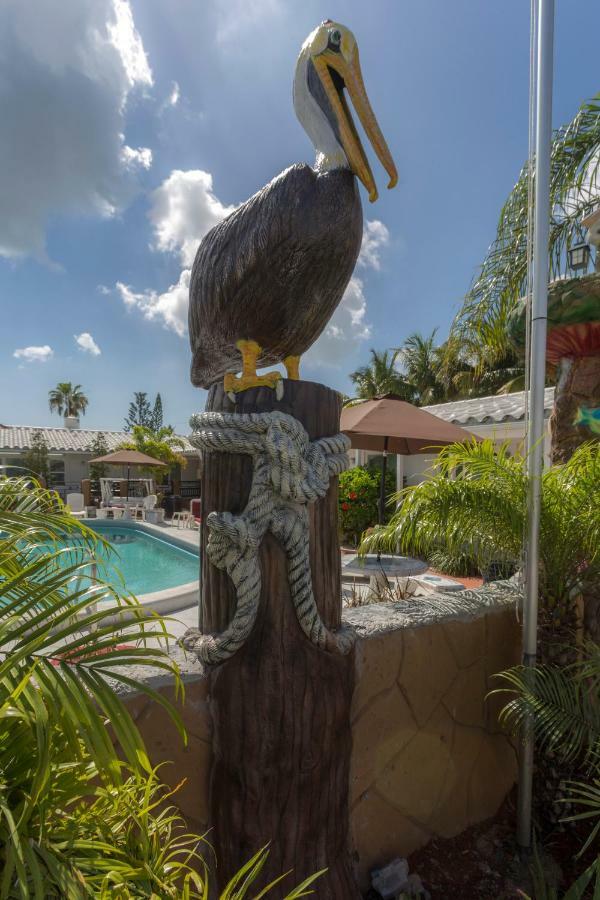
(428, 756)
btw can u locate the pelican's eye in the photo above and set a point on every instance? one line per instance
(335, 39)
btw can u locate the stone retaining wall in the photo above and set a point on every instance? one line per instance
(428, 756)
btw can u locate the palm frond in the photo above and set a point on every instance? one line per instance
(574, 192)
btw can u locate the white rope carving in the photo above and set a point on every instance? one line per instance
(289, 472)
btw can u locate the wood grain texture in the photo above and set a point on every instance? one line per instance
(274, 270)
(280, 707)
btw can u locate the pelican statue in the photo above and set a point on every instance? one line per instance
(267, 279)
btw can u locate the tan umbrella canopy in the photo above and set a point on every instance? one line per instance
(390, 425)
(128, 458)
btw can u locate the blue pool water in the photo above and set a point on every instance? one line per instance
(145, 562)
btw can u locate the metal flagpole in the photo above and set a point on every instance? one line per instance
(535, 434)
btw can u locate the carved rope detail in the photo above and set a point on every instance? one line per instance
(289, 472)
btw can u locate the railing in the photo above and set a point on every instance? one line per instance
(190, 489)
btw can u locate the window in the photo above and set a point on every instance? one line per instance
(57, 472)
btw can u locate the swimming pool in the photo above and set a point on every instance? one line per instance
(146, 562)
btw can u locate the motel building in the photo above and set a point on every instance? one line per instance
(69, 455)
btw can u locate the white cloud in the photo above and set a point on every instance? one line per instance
(67, 70)
(87, 343)
(376, 238)
(104, 289)
(184, 208)
(348, 327)
(175, 95)
(140, 157)
(35, 354)
(125, 38)
(169, 308)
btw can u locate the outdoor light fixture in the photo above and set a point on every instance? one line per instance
(579, 257)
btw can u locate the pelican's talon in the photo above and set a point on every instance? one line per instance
(234, 384)
(292, 366)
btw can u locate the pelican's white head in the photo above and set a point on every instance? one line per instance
(328, 63)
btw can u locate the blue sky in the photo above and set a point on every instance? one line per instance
(130, 128)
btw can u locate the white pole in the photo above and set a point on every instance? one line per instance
(535, 435)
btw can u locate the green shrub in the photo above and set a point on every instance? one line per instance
(359, 500)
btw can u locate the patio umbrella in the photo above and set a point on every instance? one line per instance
(128, 458)
(390, 425)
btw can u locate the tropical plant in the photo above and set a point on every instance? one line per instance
(564, 705)
(359, 500)
(60, 647)
(67, 399)
(82, 811)
(140, 412)
(421, 358)
(162, 445)
(475, 503)
(36, 458)
(574, 192)
(380, 376)
(98, 447)
(157, 414)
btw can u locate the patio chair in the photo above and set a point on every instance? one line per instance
(148, 503)
(75, 505)
(182, 518)
(117, 512)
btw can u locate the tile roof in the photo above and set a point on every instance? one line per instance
(69, 440)
(488, 410)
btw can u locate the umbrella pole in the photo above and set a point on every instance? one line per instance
(382, 489)
(127, 488)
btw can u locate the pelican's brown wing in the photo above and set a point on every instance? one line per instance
(274, 270)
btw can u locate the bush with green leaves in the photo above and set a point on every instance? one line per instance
(359, 500)
(475, 503)
(80, 818)
(564, 705)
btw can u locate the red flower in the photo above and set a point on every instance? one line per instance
(345, 506)
(352, 495)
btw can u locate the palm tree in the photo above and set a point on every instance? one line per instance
(380, 376)
(162, 444)
(421, 360)
(475, 503)
(574, 192)
(67, 399)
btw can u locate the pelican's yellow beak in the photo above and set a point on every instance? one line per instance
(338, 67)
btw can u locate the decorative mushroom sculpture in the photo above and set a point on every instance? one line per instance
(573, 346)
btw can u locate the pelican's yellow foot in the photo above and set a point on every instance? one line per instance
(250, 351)
(292, 366)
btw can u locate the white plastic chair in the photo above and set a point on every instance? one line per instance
(117, 512)
(75, 504)
(148, 503)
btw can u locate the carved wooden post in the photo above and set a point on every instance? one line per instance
(280, 704)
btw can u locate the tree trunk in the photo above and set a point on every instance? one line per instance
(280, 706)
(578, 385)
